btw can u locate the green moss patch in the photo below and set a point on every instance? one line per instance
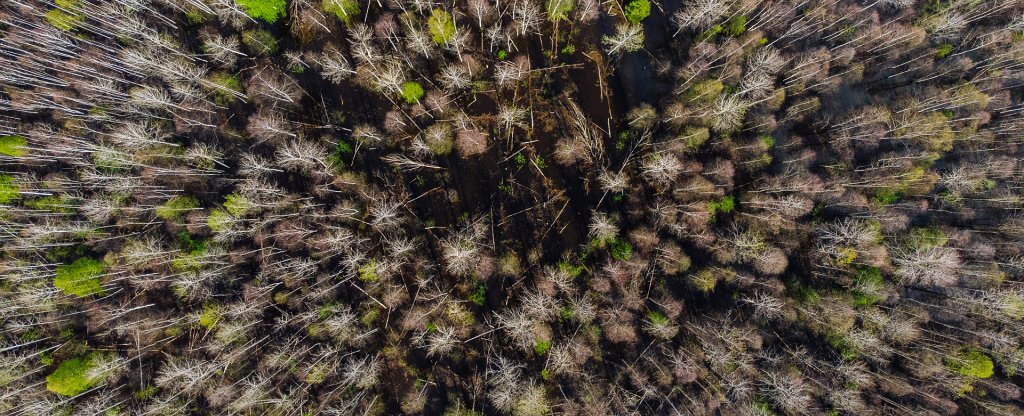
(972, 364)
(81, 278)
(72, 377)
(175, 207)
(266, 10)
(66, 16)
(9, 190)
(13, 146)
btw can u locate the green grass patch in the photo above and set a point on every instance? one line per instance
(173, 209)
(704, 91)
(266, 10)
(9, 190)
(886, 196)
(711, 33)
(67, 16)
(703, 281)
(924, 238)
(868, 281)
(13, 146)
(81, 278)
(53, 203)
(657, 318)
(72, 377)
(801, 293)
(194, 249)
(441, 26)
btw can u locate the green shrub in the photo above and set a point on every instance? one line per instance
(724, 206)
(219, 220)
(81, 278)
(210, 315)
(559, 9)
(710, 33)
(68, 18)
(13, 146)
(923, 238)
(736, 26)
(657, 318)
(412, 92)
(441, 26)
(195, 251)
(368, 271)
(695, 137)
(867, 282)
(886, 196)
(225, 86)
(638, 10)
(8, 189)
(267, 10)
(542, 347)
(344, 10)
(620, 249)
(52, 203)
(943, 50)
(479, 295)
(439, 139)
(175, 207)
(705, 91)
(72, 377)
(703, 280)
(260, 42)
(110, 160)
(237, 205)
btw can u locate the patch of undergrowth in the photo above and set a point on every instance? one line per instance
(637, 10)
(260, 42)
(13, 146)
(441, 26)
(75, 375)
(412, 92)
(176, 207)
(81, 278)
(344, 10)
(9, 189)
(559, 9)
(267, 10)
(67, 16)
